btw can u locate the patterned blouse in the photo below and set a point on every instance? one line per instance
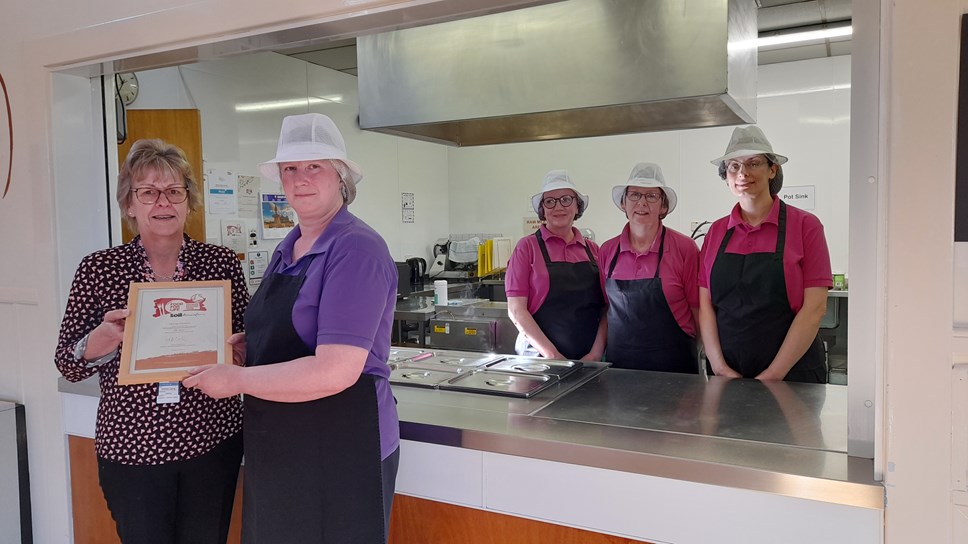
(132, 427)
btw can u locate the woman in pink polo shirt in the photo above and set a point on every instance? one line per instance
(554, 297)
(764, 274)
(649, 276)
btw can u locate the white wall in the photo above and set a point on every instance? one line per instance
(804, 108)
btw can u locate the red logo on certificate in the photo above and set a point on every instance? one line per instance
(174, 307)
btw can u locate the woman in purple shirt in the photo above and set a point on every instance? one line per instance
(321, 430)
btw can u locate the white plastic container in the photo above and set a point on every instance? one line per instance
(440, 292)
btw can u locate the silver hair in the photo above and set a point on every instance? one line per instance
(344, 174)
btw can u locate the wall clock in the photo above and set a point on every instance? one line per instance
(126, 85)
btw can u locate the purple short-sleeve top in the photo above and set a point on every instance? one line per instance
(348, 297)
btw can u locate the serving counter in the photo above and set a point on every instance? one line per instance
(650, 456)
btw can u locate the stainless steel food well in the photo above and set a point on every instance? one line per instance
(494, 382)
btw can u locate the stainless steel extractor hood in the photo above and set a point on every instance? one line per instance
(565, 70)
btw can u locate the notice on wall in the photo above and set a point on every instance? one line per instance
(248, 196)
(234, 236)
(531, 224)
(278, 217)
(257, 262)
(222, 197)
(802, 197)
(407, 207)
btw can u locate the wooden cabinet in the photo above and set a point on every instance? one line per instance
(419, 521)
(93, 523)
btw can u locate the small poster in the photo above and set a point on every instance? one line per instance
(407, 205)
(234, 236)
(278, 217)
(221, 198)
(257, 263)
(248, 196)
(802, 197)
(531, 224)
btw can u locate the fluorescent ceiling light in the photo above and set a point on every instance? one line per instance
(291, 103)
(812, 35)
(771, 94)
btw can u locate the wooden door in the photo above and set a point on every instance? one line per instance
(179, 127)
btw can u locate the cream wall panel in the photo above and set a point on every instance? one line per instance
(663, 510)
(919, 92)
(441, 473)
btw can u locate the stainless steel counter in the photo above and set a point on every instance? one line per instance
(786, 439)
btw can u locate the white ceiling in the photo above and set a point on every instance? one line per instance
(774, 17)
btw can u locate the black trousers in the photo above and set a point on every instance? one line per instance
(183, 502)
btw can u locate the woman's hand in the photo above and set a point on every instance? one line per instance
(237, 341)
(107, 336)
(726, 371)
(216, 381)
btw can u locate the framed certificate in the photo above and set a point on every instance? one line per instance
(175, 326)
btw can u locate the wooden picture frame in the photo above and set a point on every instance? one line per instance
(175, 326)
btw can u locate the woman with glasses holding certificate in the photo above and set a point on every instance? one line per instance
(321, 431)
(764, 273)
(168, 457)
(554, 297)
(649, 276)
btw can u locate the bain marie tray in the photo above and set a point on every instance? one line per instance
(494, 382)
(402, 354)
(419, 377)
(533, 365)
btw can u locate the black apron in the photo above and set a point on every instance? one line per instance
(312, 469)
(753, 311)
(570, 314)
(643, 334)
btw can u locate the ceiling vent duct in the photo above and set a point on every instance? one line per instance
(571, 69)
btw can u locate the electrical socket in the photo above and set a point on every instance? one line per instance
(693, 225)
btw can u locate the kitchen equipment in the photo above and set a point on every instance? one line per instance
(534, 365)
(475, 325)
(418, 269)
(513, 384)
(490, 373)
(501, 253)
(403, 354)
(403, 280)
(419, 377)
(455, 259)
(463, 333)
(635, 52)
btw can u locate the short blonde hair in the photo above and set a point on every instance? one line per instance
(165, 158)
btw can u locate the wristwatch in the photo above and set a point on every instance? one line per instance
(81, 347)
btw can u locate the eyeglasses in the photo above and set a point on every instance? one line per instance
(755, 163)
(636, 196)
(149, 195)
(551, 201)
